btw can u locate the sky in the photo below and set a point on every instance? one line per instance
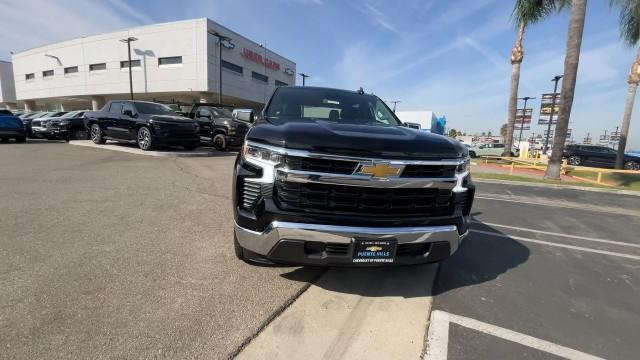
(447, 56)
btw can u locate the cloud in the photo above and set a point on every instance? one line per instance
(378, 17)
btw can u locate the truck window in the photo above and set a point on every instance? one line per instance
(115, 108)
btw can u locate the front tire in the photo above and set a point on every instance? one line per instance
(575, 160)
(96, 135)
(220, 142)
(472, 154)
(632, 165)
(144, 139)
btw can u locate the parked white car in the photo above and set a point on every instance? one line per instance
(490, 150)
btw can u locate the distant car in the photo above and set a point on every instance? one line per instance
(597, 156)
(146, 123)
(39, 125)
(490, 150)
(219, 125)
(27, 118)
(11, 127)
(69, 126)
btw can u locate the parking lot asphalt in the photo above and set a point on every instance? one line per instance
(563, 274)
(113, 255)
(106, 254)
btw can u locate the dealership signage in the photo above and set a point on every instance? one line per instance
(523, 119)
(255, 57)
(546, 106)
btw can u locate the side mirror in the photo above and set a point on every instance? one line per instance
(129, 113)
(244, 115)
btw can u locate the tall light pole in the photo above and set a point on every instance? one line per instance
(553, 108)
(394, 104)
(264, 60)
(221, 38)
(128, 41)
(524, 112)
(304, 76)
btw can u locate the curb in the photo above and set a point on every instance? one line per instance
(135, 151)
(557, 186)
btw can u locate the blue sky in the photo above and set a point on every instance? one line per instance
(451, 56)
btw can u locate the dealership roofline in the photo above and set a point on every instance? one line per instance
(18, 54)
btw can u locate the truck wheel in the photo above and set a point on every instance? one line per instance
(632, 165)
(145, 140)
(472, 154)
(96, 135)
(574, 160)
(220, 142)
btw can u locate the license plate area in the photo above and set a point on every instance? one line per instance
(374, 251)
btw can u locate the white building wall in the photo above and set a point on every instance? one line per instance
(182, 38)
(7, 84)
(196, 76)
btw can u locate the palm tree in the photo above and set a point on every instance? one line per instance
(525, 13)
(630, 34)
(571, 60)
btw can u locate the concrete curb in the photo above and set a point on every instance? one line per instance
(557, 186)
(114, 146)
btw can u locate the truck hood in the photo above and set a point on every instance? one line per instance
(356, 140)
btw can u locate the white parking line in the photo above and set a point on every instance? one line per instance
(438, 337)
(604, 252)
(560, 234)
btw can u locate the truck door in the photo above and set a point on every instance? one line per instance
(204, 117)
(126, 123)
(108, 119)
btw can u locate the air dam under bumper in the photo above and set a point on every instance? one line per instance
(316, 244)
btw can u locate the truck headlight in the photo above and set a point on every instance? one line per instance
(261, 155)
(464, 167)
(64, 123)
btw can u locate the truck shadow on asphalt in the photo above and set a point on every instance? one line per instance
(481, 258)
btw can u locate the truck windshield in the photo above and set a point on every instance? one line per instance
(339, 106)
(154, 109)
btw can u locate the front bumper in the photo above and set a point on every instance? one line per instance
(331, 245)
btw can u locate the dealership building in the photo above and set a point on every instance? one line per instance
(175, 61)
(7, 86)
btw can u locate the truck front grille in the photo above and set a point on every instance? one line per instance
(312, 197)
(328, 166)
(429, 171)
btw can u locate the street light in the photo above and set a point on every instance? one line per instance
(524, 112)
(264, 92)
(394, 104)
(128, 41)
(221, 38)
(553, 107)
(304, 76)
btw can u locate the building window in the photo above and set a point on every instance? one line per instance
(280, 83)
(125, 64)
(97, 67)
(47, 73)
(71, 70)
(31, 76)
(173, 60)
(259, 77)
(231, 66)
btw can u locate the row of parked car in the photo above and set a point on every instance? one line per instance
(148, 124)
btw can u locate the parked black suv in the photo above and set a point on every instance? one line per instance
(597, 156)
(69, 126)
(332, 177)
(146, 123)
(219, 126)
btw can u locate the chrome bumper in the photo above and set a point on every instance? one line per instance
(262, 242)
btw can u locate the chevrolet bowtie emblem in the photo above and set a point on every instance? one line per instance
(373, 248)
(380, 170)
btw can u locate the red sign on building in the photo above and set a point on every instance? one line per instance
(253, 56)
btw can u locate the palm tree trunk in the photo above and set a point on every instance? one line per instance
(571, 60)
(516, 60)
(634, 78)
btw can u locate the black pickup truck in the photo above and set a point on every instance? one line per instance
(146, 123)
(332, 177)
(219, 125)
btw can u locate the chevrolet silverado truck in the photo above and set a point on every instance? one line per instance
(219, 125)
(332, 177)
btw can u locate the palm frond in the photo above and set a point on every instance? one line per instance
(629, 20)
(527, 12)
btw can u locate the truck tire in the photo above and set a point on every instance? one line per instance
(472, 154)
(574, 160)
(96, 135)
(144, 139)
(219, 142)
(632, 165)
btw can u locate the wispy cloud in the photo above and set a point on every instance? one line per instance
(378, 17)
